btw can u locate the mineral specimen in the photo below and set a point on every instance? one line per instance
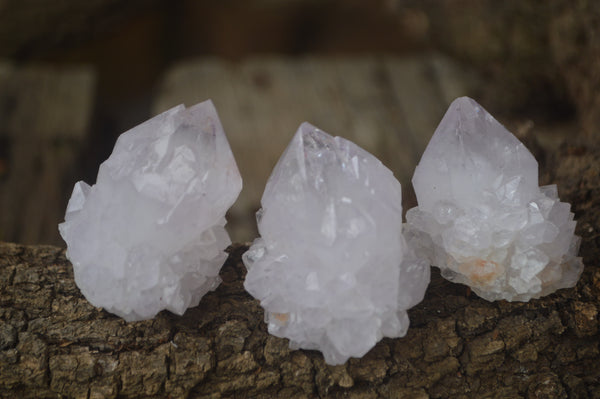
(149, 235)
(481, 217)
(331, 268)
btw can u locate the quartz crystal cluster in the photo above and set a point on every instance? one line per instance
(331, 268)
(481, 217)
(149, 235)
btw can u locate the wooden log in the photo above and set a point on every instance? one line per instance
(53, 343)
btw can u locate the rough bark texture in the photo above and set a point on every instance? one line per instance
(54, 344)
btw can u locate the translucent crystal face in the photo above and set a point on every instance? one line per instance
(149, 235)
(472, 158)
(482, 217)
(331, 268)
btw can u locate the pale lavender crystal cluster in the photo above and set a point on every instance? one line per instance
(149, 235)
(483, 219)
(334, 268)
(331, 268)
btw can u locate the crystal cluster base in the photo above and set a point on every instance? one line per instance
(482, 219)
(331, 268)
(149, 235)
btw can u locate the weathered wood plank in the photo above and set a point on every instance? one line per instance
(45, 116)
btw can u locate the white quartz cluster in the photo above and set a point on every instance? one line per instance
(482, 219)
(149, 234)
(331, 268)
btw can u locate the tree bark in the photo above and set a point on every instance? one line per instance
(53, 343)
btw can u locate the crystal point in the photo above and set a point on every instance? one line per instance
(331, 268)
(482, 219)
(149, 235)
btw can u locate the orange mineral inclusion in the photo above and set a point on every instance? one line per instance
(481, 271)
(281, 317)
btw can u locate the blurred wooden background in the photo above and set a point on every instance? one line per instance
(74, 75)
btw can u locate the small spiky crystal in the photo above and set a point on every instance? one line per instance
(331, 268)
(149, 235)
(481, 217)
